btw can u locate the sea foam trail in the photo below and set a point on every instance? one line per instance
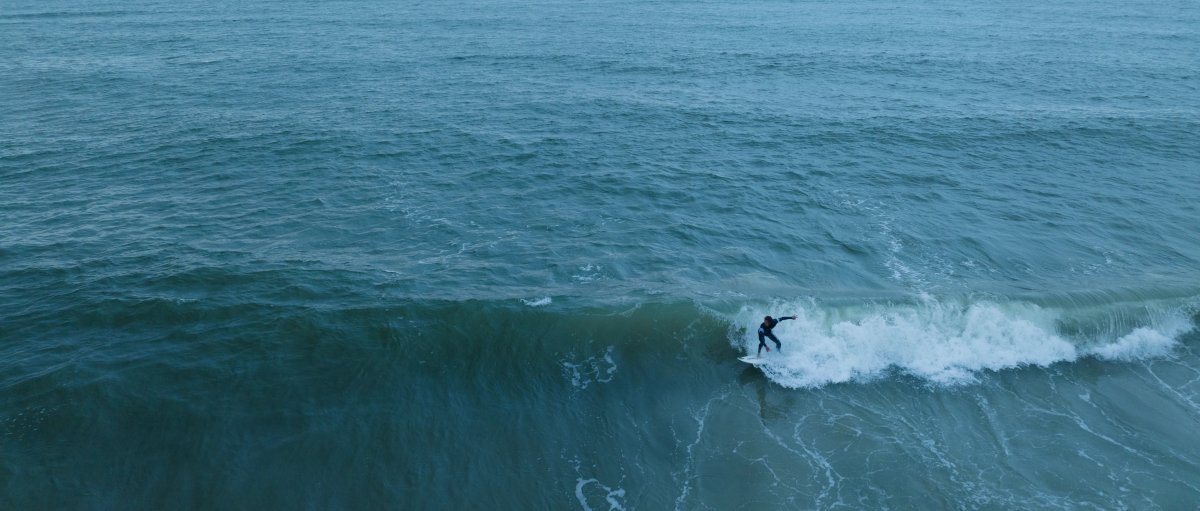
(940, 341)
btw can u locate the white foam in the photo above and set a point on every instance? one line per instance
(1142, 343)
(537, 302)
(614, 497)
(588, 273)
(944, 343)
(591, 370)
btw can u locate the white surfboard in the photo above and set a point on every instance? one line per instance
(753, 359)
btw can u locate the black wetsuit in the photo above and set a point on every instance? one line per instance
(764, 331)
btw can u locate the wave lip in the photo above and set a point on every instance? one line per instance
(944, 342)
(1142, 343)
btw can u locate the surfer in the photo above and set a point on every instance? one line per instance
(764, 331)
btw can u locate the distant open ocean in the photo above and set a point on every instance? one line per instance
(504, 255)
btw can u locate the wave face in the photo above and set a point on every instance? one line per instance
(600, 407)
(492, 254)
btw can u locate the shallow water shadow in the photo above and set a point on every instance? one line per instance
(754, 376)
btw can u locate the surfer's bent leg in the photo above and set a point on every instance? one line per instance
(778, 345)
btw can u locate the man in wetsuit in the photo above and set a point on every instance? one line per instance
(764, 331)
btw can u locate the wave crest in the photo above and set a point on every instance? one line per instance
(945, 342)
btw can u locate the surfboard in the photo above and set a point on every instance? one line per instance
(753, 360)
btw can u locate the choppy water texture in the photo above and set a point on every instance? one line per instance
(504, 255)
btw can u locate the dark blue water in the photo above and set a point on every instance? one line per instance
(463, 255)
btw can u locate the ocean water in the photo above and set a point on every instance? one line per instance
(489, 254)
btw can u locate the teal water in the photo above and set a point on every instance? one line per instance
(503, 255)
